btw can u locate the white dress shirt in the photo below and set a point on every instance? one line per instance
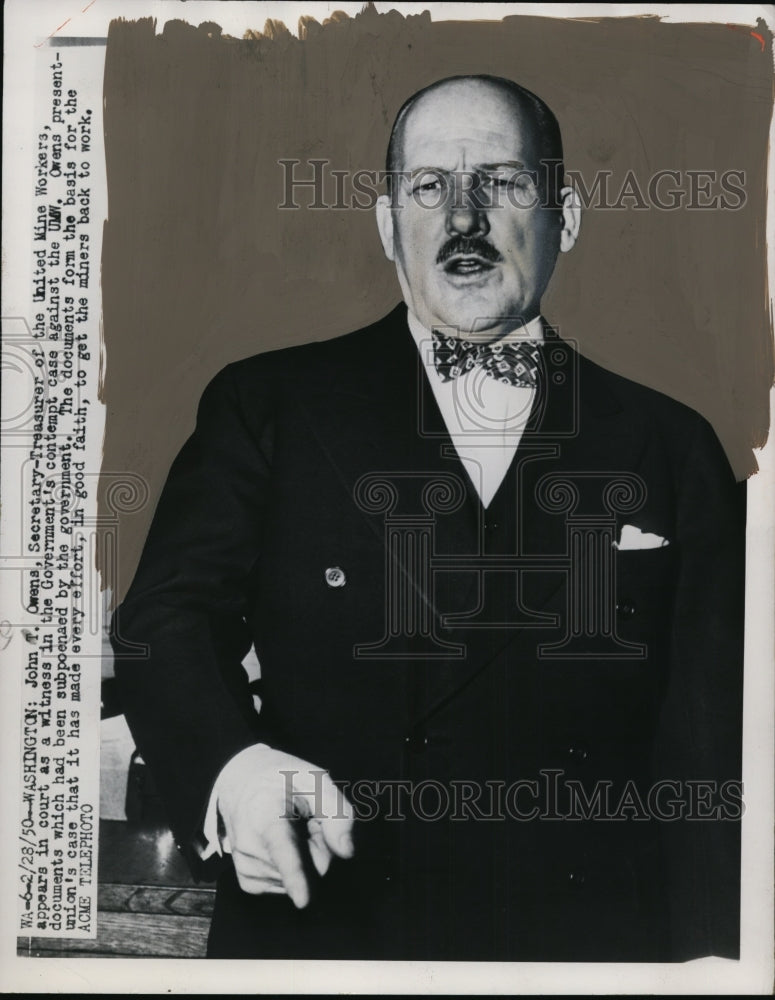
(485, 419)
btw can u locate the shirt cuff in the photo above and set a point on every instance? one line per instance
(213, 833)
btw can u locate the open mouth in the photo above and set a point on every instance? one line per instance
(468, 257)
(467, 264)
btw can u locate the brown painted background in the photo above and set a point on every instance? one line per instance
(200, 267)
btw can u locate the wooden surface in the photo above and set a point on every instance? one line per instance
(140, 853)
(148, 904)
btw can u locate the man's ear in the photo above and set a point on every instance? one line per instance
(571, 218)
(385, 225)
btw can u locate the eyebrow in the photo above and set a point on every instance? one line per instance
(425, 170)
(516, 164)
(503, 163)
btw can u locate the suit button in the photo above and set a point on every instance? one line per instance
(625, 608)
(576, 879)
(491, 526)
(335, 577)
(417, 742)
(578, 753)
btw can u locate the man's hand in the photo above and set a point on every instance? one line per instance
(263, 795)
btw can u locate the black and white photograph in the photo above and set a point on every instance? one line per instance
(387, 498)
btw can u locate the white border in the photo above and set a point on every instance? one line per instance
(28, 24)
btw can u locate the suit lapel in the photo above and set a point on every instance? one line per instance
(376, 415)
(375, 418)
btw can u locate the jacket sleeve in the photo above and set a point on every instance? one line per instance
(180, 635)
(699, 745)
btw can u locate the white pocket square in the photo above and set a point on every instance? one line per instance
(634, 538)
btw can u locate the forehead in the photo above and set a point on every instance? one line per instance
(466, 124)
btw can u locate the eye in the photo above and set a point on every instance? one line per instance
(518, 186)
(429, 182)
(510, 179)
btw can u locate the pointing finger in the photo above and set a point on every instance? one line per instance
(318, 850)
(284, 853)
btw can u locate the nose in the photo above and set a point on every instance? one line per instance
(466, 216)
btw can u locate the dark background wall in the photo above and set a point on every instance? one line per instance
(200, 266)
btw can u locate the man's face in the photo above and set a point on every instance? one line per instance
(470, 255)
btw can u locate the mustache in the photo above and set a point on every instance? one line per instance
(467, 245)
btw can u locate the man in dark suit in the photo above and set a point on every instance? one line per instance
(496, 594)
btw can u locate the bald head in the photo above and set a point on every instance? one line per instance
(535, 117)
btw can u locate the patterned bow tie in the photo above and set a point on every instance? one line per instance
(515, 362)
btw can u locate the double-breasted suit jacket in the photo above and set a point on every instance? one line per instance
(488, 665)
